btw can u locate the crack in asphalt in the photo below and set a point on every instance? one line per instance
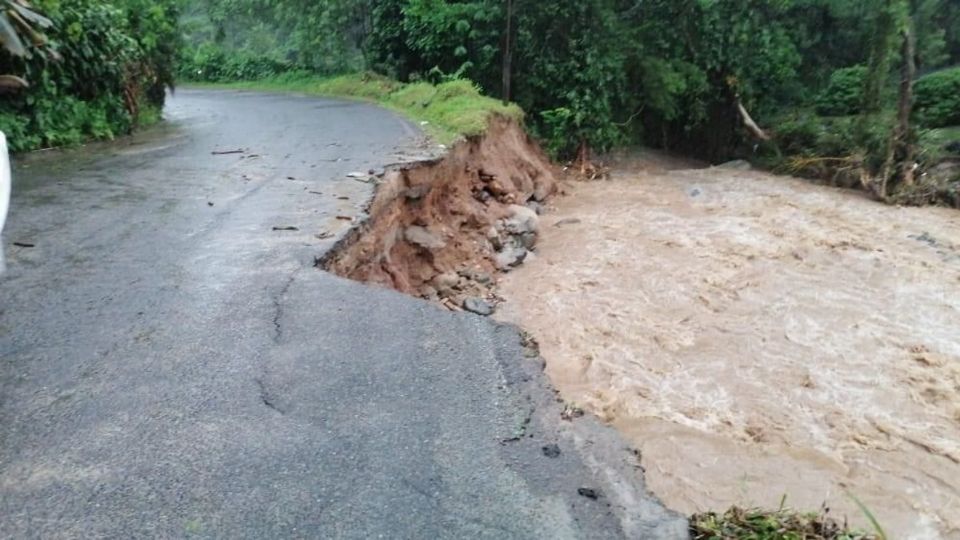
(278, 307)
(267, 397)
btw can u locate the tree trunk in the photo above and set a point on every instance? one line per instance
(881, 45)
(508, 54)
(899, 165)
(748, 122)
(905, 106)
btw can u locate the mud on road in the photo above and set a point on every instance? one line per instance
(757, 336)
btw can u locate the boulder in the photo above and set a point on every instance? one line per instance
(510, 257)
(445, 283)
(423, 237)
(521, 220)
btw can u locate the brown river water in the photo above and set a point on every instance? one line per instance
(756, 337)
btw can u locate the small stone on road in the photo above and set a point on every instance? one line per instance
(551, 451)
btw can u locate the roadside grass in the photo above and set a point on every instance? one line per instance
(149, 115)
(447, 111)
(737, 523)
(781, 524)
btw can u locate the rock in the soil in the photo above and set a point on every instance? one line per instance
(429, 293)
(737, 165)
(478, 276)
(542, 190)
(493, 235)
(551, 451)
(522, 220)
(496, 188)
(567, 221)
(444, 283)
(528, 240)
(536, 207)
(421, 236)
(510, 257)
(483, 196)
(416, 193)
(478, 306)
(482, 278)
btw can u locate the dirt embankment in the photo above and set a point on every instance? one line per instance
(439, 229)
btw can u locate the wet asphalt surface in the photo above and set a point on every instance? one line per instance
(172, 366)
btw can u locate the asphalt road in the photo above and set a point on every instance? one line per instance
(172, 366)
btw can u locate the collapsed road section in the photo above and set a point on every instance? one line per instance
(439, 229)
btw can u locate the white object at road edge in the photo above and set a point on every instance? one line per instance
(4, 190)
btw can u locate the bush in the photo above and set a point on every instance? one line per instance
(844, 93)
(827, 147)
(17, 129)
(799, 136)
(209, 63)
(938, 99)
(457, 88)
(115, 60)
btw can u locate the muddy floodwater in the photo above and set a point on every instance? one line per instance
(757, 336)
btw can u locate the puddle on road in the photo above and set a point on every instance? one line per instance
(756, 336)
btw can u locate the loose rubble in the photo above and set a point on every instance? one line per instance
(442, 229)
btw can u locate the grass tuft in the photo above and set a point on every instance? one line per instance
(783, 524)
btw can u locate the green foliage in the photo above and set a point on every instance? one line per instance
(570, 68)
(113, 61)
(720, 52)
(210, 63)
(938, 98)
(153, 24)
(454, 37)
(934, 143)
(324, 37)
(17, 129)
(600, 72)
(886, 22)
(843, 95)
(800, 135)
(804, 133)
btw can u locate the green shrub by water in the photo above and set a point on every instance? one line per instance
(843, 94)
(938, 98)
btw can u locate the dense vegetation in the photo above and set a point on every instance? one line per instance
(95, 69)
(680, 74)
(807, 86)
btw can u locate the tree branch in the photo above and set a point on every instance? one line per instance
(748, 122)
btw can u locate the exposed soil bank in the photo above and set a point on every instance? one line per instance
(439, 229)
(756, 336)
